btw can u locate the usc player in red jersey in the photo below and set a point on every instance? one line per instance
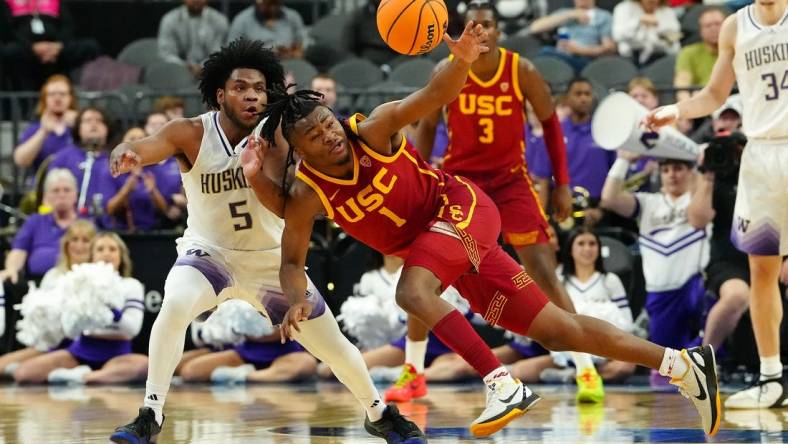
(486, 125)
(362, 174)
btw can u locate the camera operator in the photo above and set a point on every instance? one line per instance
(728, 272)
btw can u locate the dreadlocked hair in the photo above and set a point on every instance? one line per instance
(240, 53)
(286, 109)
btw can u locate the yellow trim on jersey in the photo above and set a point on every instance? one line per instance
(336, 180)
(358, 117)
(320, 194)
(416, 162)
(535, 194)
(516, 77)
(464, 224)
(497, 75)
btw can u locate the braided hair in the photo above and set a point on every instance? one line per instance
(286, 109)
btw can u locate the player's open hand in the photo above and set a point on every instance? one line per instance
(122, 160)
(298, 312)
(253, 156)
(471, 43)
(562, 202)
(659, 117)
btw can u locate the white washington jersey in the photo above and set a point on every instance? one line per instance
(761, 66)
(602, 297)
(673, 251)
(223, 210)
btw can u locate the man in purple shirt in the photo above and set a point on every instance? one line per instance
(88, 161)
(588, 163)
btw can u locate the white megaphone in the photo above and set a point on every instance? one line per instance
(616, 125)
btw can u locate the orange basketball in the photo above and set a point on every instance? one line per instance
(412, 27)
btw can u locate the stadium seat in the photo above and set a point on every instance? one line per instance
(142, 53)
(616, 256)
(328, 30)
(555, 71)
(661, 71)
(302, 70)
(415, 72)
(379, 94)
(526, 45)
(439, 53)
(323, 57)
(168, 77)
(356, 73)
(610, 71)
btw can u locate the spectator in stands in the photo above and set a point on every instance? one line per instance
(74, 249)
(674, 252)
(643, 175)
(189, 33)
(88, 161)
(171, 106)
(154, 121)
(727, 118)
(584, 33)
(56, 110)
(38, 41)
(34, 249)
(270, 22)
(694, 63)
(326, 85)
(645, 30)
(728, 273)
(588, 163)
(362, 38)
(133, 133)
(101, 355)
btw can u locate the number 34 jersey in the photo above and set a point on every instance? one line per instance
(223, 209)
(761, 66)
(486, 124)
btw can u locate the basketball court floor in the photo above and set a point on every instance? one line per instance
(326, 413)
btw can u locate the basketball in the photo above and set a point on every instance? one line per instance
(412, 27)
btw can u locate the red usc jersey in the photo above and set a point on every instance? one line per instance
(389, 200)
(486, 124)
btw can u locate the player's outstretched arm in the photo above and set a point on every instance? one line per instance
(302, 207)
(388, 119)
(168, 141)
(713, 95)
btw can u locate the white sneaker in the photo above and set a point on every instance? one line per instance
(505, 402)
(699, 385)
(766, 394)
(231, 375)
(74, 375)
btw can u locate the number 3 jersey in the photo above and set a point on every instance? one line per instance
(486, 124)
(223, 210)
(761, 66)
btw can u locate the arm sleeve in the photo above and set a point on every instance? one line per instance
(222, 26)
(606, 27)
(24, 238)
(624, 22)
(130, 322)
(168, 48)
(618, 296)
(556, 149)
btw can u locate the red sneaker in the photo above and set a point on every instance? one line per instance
(410, 385)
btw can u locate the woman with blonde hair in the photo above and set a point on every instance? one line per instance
(56, 109)
(74, 249)
(100, 355)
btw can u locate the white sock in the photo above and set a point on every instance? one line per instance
(154, 398)
(415, 352)
(771, 367)
(321, 337)
(582, 361)
(673, 364)
(499, 375)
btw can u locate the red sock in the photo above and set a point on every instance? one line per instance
(456, 332)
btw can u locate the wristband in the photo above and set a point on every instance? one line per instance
(619, 169)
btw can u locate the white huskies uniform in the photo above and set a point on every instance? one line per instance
(760, 224)
(231, 238)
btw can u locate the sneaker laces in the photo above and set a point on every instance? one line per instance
(142, 425)
(405, 428)
(406, 377)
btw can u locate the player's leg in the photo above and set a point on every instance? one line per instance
(36, 370)
(389, 355)
(287, 368)
(411, 382)
(125, 368)
(723, 317)
(9, 362)
(199, 369)
(188, 291)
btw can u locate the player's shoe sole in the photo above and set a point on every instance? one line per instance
(496, 423)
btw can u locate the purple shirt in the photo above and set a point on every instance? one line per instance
(40, 238)
(533, 145)
(101, 187)
(168, 178)
(140, 204)
(588, 163)
(52, 143)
